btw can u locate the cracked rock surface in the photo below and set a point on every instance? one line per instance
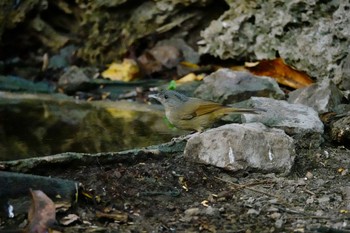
(313, 36)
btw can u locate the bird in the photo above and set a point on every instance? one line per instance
(194, 114)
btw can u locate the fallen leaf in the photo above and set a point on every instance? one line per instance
(70, 218)
(340, 170)
(45, 64)
(207, 226)
(126, 71)
(41, 214)
(280, 71)
(205, 203)
(186, 67)
(327, 117)
(183, 183)
(117, 216)
(190, 65)
(189, 78)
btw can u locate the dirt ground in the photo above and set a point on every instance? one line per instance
(170, 194)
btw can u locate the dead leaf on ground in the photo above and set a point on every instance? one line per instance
(183, 183)
(186, 67)
(189, 78)
(41, 214)
(126, 71)
(327, 117)
(70, 218)
(117, 216)
(280, 71)
(190, 65)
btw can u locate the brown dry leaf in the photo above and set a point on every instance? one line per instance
(280, 71)
(126, 71)
(327, 117)
(41, 214)
(207, 226)
(117, 216)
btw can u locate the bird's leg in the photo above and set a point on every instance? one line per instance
(189, 136)
(185, 137)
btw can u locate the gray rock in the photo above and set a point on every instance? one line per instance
(340, 130)
(227, 86)
(192, 211)
(299, 31)
(240, 147)
(323, 96)
(167, 55)
(188, 52)
(342, 109)
(253, 212)
(72, 79)
(279, 223)
(211, 211)
(63, 59)
(346, 194)
(344, 74)
(292, 118)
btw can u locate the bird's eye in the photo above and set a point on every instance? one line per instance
(166, 96)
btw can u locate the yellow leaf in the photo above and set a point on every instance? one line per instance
(189, 65)
(190, 77)
(126, 71)
(340, 170)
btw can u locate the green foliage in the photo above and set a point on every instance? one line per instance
(172, 85)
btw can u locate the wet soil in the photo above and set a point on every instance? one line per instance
(170, 194)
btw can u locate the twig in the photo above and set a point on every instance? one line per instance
(280, 199)
(251, 189)
(304, 215)
(309, 192)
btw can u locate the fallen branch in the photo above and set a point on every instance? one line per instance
(71, 158)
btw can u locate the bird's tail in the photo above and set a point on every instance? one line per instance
(233, 110)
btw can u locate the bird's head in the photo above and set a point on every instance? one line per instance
(170, 98)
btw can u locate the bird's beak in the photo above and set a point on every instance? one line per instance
(154, 96)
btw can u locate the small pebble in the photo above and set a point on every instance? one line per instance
(279, 223)
(192, 211)
(309, 175)
(275, 215)
(253, 212)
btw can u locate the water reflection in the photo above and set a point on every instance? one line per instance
(40, 127)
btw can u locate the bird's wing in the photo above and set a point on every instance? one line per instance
(202, 108)
(207, 107)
